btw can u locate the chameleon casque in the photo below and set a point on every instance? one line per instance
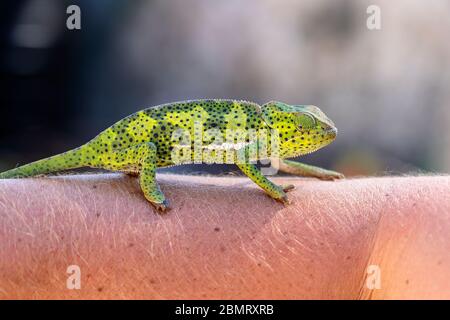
(147, 139)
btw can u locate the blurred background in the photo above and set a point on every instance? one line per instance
(388, 90)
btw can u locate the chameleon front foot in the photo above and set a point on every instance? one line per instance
(273, 190)
(306, 170)
(288, 187)
(162, 207)
(284, 200)
(330, 175)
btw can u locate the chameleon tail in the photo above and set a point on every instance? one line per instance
(64, 161)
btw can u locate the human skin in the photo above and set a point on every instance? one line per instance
(225, 239)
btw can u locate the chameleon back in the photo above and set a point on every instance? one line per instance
(182, 123)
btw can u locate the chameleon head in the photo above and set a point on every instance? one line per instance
(301, 129)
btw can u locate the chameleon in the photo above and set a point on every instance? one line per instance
(168, 134)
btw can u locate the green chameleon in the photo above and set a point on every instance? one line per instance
(229, 131)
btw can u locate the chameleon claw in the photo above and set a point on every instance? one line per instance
(284, 200)
(331, 176)
(340, 176)
(162, 207)
(288, 187)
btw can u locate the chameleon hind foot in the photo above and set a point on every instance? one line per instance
(147, 178)
(143, 158)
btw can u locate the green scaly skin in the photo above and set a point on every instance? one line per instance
(147, 139)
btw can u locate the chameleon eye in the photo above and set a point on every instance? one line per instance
(305, 121)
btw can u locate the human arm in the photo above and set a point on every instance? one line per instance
(224, 238)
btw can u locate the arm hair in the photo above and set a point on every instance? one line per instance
(225, 239)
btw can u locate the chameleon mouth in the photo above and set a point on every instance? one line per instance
(331, 132)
